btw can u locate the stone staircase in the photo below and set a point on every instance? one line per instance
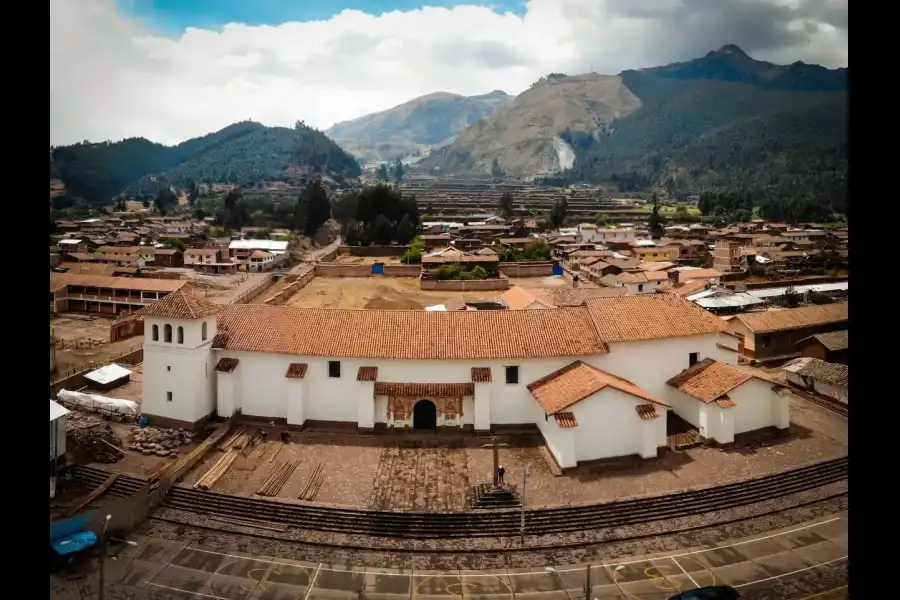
(486, 496)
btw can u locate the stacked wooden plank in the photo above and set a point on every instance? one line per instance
(229, 442)
(313, 484)
(216, 472)
(277, 478)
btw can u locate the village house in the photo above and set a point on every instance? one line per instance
(520, 298)
(830, 347)
(636, 282)
(203, 256)
(241, 251)
(831, 380)
(168, 257)
(682, 275)
(727, 256)
(577, 374)
(773, 335)
(106, 295)
(724, 400)
(655, 253)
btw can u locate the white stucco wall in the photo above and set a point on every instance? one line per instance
(58, 437)
(608, 426)
(758, 406)
(262, 391)
(560, 442)
(649, 364)
(831, 391)
(186, 370)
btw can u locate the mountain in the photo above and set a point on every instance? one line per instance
(524, 136)
(723, 120)
(244, 153)
(730, 63)
(414, 126)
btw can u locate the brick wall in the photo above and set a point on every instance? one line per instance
(299, 281)
(402, 270)
(527, 269)
(326, 269)
(372, 250)
(126, 329)
(479, 285)
(253, 293)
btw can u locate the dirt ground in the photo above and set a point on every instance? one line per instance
(83, 339)
(346, 259)
(394, 293)
(380, 472)
(220, 289)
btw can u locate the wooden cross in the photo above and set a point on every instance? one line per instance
(496, 448)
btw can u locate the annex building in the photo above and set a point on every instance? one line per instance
(594, 379)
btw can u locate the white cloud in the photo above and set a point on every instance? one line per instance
(110, 77)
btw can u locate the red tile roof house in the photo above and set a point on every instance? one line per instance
(592, 378)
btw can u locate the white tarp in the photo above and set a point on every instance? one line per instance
(108, 374)
(436, 307)
(98, 403)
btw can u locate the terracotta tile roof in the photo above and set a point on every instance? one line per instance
(726, 402)
(61, 280)
(180, 305)
(573, 383)
(560, 297)
(656, 265)
(687, 288)
(646, 411)
(694, 274)
(795, 318)
(833, 341)
(481, 375)
(166, 251)
(710, 380)
(833, 373)
(407, 334)
(201, 252)
(367, 374)
(518, 298)
(650, 316)
(227, 365)
(416, 390)
(296, 371)
(566, 420)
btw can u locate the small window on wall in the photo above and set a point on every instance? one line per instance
(203, 331)
(512, 375)
(167, 334)
(156, 333)
(180, 334)
(169, 396)
(692, 359)
(334, 368)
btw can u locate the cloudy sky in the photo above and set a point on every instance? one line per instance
(169, 70)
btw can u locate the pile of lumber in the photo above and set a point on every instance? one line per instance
(90, 440)
(216, 472)
(237, 441)
(313, 484)
(277, 478)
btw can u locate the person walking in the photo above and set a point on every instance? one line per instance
(500, 473)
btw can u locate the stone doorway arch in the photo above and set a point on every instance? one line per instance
(425, 415)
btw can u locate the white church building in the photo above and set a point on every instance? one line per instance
(594, 379)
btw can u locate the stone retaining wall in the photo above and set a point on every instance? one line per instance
(402, 270)
(254, 292)
(324, 269)
(300, 281)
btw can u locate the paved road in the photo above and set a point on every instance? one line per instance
(798, 563)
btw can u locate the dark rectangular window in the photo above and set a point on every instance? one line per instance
(334, 368)
(512, 375)
(169, 396)
(693, 359)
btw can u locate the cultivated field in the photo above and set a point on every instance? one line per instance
(393, 293)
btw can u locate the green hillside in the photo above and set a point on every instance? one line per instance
(243, 153)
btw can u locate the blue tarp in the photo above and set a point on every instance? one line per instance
(557, 270)
(378, 269)
(65, 527)
(75, 542)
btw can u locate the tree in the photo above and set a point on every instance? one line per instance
(166, 200)
(506, 205)
(405, 230)
(120, 205)
(496, 171)
(557, 216)
(382, 230)
(398, 171)
(537, 249)
(236, 213)
(199, 214)
(383, 172)
(602, 219)
(192, 192)
(314, 206)
(145, 203)
(414, 254)
(175, 243)
(653, 222)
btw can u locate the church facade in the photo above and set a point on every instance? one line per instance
(594, 379)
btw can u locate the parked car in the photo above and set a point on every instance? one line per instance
(713, 592)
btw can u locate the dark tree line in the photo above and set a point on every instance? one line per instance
(378, 214)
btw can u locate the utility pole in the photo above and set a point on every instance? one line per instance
(101, 570)
(522, 512)
(587, 583)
